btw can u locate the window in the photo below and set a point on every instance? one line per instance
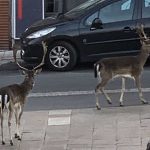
(53, 7)
(91, 18)
(146, 9)
(49, 6)
(118, 11)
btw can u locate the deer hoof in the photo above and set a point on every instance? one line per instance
(16, 136)
(121, 104)
(19, 138)
(109, 101)
(3, 143)
(98, 107)
(144, 102)
(11, 143)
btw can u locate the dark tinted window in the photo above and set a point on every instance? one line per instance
(52, 7)
(90, 19)
(146, 9)
(117, 11)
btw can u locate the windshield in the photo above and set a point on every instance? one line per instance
(79, 10)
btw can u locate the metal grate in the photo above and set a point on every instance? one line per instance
(4, 24)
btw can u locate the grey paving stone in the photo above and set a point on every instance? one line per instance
(129, 141)
(79, 147)
(104, 142)
(129, 148)
(131, 132)
(54, 145)
(80, 133)
(33, 135)
(57, 132)
(80, 141)
(104, 134)
(30, 145)
(104, 147)
(145, 122)
(126, 124)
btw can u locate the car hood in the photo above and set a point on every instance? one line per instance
(43, 24)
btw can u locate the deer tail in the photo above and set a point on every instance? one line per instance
(96, 69)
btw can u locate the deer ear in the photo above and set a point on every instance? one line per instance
(37, 71)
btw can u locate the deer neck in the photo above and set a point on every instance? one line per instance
(143, 57)
(27, 86)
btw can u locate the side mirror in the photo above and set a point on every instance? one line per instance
(96, 24)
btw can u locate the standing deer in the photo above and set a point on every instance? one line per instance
(13, 97)
(124, 67)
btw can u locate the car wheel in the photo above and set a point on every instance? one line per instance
(61, 56)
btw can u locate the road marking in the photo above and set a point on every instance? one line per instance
(59, 117)
(71, 93)
(59, 121)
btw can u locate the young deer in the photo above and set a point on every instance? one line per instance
(124, 67)
(13, 97)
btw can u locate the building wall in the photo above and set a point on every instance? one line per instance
(26, 13)
(70, 4)
(4, 24)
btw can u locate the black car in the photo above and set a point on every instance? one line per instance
(93, 30)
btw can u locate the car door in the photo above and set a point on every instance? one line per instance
(145, 15)
(117, 34)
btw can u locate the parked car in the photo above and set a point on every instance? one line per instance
(93, 30)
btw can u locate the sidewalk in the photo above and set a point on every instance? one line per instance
(125, 128)
(6, 56)
(7, 60)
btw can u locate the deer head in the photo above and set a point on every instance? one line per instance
(29, 74)
(145, 41)
(143, 37)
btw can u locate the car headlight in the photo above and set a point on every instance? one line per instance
(41, 33)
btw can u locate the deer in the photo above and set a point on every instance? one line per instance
(14, 96)
(124, 67)
(148, 146)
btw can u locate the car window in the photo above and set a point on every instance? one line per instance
(146, 9)
(118, 11)
(90, 19)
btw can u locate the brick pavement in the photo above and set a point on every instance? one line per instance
(126, 128)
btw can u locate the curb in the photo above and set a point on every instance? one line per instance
(7, 56)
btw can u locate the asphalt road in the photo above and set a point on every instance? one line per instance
(73, 89)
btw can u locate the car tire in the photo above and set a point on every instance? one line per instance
(61, 56)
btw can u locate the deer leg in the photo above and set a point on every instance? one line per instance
(122, 92)
(1, 115)
(138, 84)
(19, 118)
(18, 113)
(100, 88)
(107, 97)
(9, 126)
(97, 100)
(16, 117)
